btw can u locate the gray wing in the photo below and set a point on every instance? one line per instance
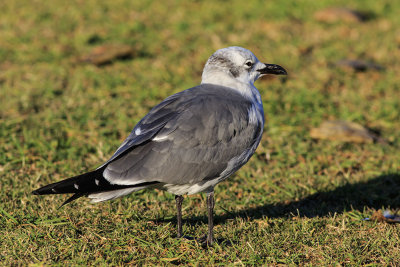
(150, 125)
(189, 137)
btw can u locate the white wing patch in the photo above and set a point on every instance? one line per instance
(138, 131)
(160, 138)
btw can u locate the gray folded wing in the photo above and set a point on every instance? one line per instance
(189, 137)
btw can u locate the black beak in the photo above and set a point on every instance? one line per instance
(272, 69)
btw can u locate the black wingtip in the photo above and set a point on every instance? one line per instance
(75, 196)
(45, 190)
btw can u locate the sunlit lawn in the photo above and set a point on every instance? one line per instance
(298, 200)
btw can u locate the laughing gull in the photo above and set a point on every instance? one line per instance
(189, 142)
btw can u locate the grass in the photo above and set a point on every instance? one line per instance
(298, 201)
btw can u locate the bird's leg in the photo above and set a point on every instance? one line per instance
(210, 209)
(179, 200)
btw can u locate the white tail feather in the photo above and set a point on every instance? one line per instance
(103, 196)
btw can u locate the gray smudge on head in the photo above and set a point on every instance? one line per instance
(225, 63)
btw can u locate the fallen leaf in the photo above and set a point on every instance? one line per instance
(385, 216)
(105, 54)
(343, 131)
(335, 14)
(358, 65)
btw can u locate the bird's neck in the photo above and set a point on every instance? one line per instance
(246, 88)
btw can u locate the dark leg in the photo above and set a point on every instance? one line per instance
(210, 209)
(179, 200)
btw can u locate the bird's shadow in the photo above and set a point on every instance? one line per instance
(381, 191)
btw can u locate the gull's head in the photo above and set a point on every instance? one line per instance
(236, 65)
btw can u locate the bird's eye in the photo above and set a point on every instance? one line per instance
(249, 64)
